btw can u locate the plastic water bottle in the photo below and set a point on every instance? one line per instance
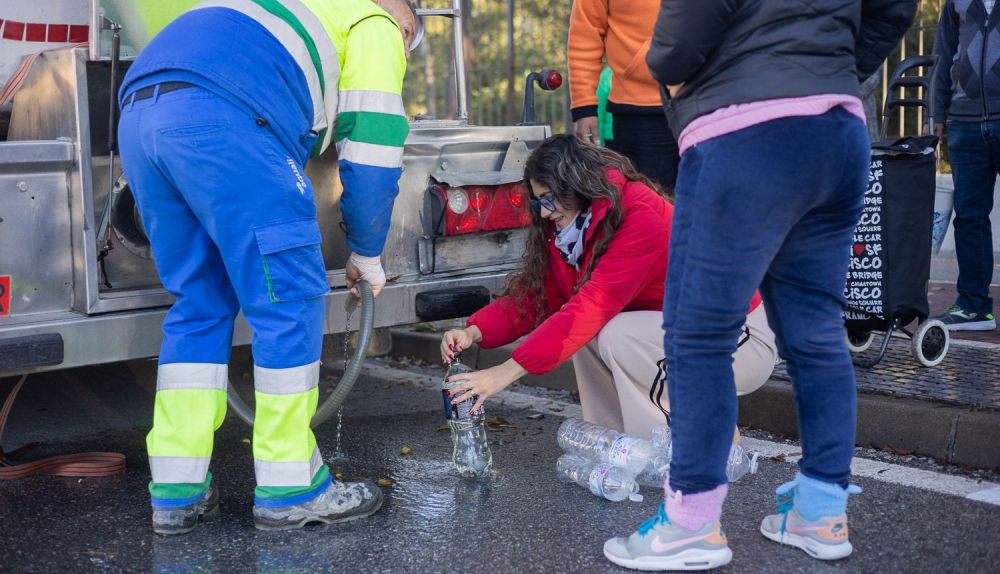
(656, 472)
(594, 442)
(471, 454)
(738, 465)
(602, 479)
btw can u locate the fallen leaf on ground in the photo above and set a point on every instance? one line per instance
(444, 427)
(500, 422)
(246, 441)
(900, 451)
(405, 450)
(384, 482)
(781, 457)
(339, 476)
(535, 416)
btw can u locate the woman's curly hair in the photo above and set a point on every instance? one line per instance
(575, 172)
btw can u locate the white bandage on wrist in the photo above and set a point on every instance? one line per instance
(370, 268)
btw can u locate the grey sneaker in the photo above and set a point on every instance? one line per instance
(184, 519)
(661, 545)
(340, 502)
(825, 538)
(957, 319)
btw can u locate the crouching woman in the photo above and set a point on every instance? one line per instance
(590, 287)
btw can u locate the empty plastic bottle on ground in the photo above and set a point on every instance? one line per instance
(591, 441)
(738, 465)
(471, 454)
(601, 478)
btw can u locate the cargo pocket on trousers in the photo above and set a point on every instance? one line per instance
(292, 259)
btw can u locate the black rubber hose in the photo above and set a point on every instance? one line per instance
(347, 380)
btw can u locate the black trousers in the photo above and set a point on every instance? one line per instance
(646, 139)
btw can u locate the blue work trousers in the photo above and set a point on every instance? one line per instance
(232, 221)
(773, 207)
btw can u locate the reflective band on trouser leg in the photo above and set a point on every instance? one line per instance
(286, 459)
(190, 407)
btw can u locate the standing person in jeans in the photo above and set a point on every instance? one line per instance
(774, 162)
(967, 91)
(618, 32)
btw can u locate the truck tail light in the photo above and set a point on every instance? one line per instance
(480, 208)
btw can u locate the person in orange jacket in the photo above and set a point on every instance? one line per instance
(619, 33)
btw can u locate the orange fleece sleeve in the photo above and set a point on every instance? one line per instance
(588, 28)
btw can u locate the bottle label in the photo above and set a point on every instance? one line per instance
(597, 479)
(457, 412)
(619, 451)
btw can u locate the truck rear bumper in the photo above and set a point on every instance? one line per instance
(96, 339)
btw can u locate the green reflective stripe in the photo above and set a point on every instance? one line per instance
(294, 43)
(267, 279)
(279, 10)
(180, 489)
(285, 491)
(203, 376)
(179, 469)
(369, 154)
(287, 381)
(372, 127)
(287, 473)
(371, 101)
(184, 423)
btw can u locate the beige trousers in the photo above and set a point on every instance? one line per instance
(621, 372)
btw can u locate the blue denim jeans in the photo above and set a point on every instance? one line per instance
(974, 150)
(773, 207)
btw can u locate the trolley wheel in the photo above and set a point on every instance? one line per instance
(859, 341)
(930, 343)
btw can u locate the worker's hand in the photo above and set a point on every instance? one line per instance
(458, 340)
(674, 89)
(486, 383)
(587, 130)
(368, 268)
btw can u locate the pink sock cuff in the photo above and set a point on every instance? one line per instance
(694, 511)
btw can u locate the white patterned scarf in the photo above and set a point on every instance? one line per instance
(569, 240)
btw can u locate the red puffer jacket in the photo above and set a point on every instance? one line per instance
(628, 277)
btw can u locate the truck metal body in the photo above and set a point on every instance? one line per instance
(74, 295)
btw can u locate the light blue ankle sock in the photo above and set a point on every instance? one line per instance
(815, 499)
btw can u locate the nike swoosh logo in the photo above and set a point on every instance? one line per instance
(658, 546)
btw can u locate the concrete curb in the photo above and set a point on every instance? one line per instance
(947, 433)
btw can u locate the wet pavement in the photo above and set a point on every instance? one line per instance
(520, 520)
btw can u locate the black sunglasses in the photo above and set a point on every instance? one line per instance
(548, 201)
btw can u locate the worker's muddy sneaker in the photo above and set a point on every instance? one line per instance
(662, 545)
(183, 519)
(825, 538)
(340, 502)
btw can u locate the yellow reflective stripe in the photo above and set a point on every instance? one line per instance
(370, 101)
(369, 154)
(292, 42)
(286, 381)
(185, 421)
(287, 473)
(281, 430)
(179, 469)
(193, 376)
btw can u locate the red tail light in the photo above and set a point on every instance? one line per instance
(480, 208)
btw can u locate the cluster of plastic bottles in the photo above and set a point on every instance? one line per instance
(613, 465)
(471, 453)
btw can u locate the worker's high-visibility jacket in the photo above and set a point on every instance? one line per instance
(317, 71)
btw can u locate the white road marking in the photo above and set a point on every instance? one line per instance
(952, 485)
